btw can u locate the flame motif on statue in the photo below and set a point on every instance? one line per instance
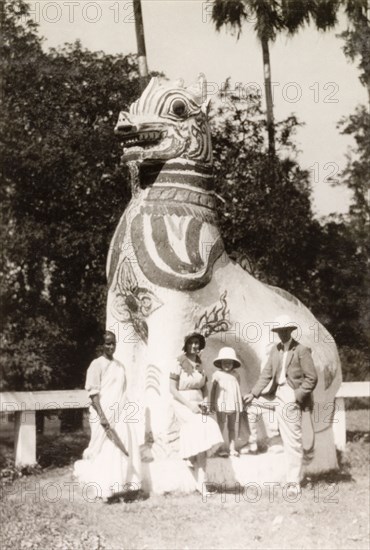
(216, 320)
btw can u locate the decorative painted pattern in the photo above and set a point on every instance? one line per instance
(131, 303)
(215, 320)
(175, 251)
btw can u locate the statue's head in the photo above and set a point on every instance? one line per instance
(168, 121)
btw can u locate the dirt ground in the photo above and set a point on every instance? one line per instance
(46, 510)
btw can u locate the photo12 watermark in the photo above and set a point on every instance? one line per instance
(253, 492)
(72, 491)
(72, 12)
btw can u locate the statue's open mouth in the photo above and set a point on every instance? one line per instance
(141, 138)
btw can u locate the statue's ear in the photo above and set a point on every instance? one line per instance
(206, 106)
(153, 83)
(199, 89)
(202, 82)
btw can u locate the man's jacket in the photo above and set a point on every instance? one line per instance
(300, 372)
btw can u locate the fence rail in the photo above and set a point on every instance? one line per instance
(346, 390)
(24, 406)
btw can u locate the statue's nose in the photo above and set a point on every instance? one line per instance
(124, 125)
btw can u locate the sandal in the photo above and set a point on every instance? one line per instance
(223, 454)
(234, 453)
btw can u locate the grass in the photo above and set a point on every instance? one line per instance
(333, 511)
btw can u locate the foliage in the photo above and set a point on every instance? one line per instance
(355, 365)
(62, 193)
(356, 225)
(270, 18)
(268, 225)
(267, 215)
(339, 287)
(357, 37)
(356, 175)
(325, 265)
(350, 236)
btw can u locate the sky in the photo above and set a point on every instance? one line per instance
(311, 76)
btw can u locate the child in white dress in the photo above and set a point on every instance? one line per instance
(226, 399)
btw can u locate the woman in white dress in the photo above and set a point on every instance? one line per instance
(188, 385)
(112, 460)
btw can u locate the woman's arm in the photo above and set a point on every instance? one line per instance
(174, 384)
(205, 390)
(213, 396)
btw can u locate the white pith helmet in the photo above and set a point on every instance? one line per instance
(227, 354)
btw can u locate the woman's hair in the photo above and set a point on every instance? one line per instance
(194, 334)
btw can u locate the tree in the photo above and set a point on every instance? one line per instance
(268, 226)
(267, 218)
(357, 37)
(356, 178)
(272, 17)
(62, 194)
(340, 291)
(356, 175)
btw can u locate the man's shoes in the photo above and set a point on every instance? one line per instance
(275, 449)
(250, 449)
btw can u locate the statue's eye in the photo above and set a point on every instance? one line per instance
(178, 107)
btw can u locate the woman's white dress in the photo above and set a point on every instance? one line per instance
(103, 463)
(198, 432)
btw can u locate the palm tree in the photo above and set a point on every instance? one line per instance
(141, 50)
(272, 17)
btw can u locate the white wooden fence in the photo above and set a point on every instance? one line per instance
(24, 406)
(347, 389)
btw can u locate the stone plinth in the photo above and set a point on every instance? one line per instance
(173, 475)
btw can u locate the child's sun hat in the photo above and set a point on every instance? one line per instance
(226, 354)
